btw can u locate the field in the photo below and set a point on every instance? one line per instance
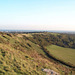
(65, 54)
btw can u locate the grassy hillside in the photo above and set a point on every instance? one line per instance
(65, 54)
(21, 56)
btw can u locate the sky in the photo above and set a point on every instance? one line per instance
(37, 15)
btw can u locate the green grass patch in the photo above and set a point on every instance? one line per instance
(65, 54)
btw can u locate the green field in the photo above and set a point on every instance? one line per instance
(65, 54)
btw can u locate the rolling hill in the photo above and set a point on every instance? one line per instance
(22, 54)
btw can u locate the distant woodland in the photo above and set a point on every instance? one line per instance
(63, 40)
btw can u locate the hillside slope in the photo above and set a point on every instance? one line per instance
(21, 56)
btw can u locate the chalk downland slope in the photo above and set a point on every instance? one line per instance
(21, 54)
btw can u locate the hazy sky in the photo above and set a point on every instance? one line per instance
(37, 14)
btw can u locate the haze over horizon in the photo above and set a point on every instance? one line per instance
(37, 15)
